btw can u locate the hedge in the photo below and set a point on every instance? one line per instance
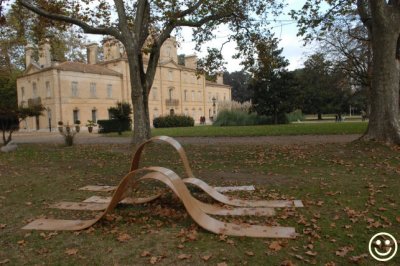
(9, 122)
(113, 125)
(173, 121)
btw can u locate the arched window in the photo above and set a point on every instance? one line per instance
(171, 112)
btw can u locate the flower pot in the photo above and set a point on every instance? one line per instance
(77, 129)
(90, 129)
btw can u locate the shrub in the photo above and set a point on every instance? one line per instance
(113, 125)
(240, 118)
(296, 115)
(173, 121)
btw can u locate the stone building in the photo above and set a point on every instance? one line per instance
(73, 91)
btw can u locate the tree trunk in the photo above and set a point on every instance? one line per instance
(319, 116)
(384, 117)
(139, 96)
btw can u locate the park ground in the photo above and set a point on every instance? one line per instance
(349, 188)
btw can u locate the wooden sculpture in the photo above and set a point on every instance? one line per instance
(199, 211)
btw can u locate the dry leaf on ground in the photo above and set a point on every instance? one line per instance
(71, 251)
(184, 256)
(206, 257)
(145, 253)
(124, 237)
(275, 246)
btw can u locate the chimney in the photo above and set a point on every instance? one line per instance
(92, 51)
(44, 54)
(220, 78)
(111, 49)
(191, 61)
(28, 55)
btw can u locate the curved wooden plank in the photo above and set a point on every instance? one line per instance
(173, 181)
(211, 191)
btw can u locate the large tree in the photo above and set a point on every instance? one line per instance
(382, 20)
(143, 26)
(325, 87)
(239, 81)
(274, 89)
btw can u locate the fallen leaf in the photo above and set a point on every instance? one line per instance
(184, 256)
(4, 261)
(343, 251)
(287, 263)
(21, 242)
(124, 237)
(275, 246)
(2, 226)
(153, 260)
(249, 253)
(180, 246)
(71, 251)
(397, 219)
(230, 241)
(357, 259)
(206, 257)
(222, 264)
(145, 253)
(310, 253)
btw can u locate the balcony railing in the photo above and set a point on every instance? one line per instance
(172, 102)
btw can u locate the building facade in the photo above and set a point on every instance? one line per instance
(73, 91)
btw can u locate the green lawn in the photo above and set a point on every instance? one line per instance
(265, 130)
(350, 192)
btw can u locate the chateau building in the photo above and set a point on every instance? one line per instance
(72, 91)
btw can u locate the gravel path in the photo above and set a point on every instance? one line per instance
(86, 138)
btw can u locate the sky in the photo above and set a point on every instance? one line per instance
(285, 31)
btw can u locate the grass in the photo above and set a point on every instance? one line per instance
(350, 192)
(265, 130)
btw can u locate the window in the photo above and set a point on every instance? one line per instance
(22, 93)
(224, 97)
(93, 90)
(74, 89)
(109, 91)
(185, 95)
(75, 115)
(171, 93)
(200, 98)
(48, 89)
(94, 115)
(170, 75)
(194, 113)
(155, 113)
(186, 111)
(155, 94)
(34, 90)
(209, 97)
(193, 96)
